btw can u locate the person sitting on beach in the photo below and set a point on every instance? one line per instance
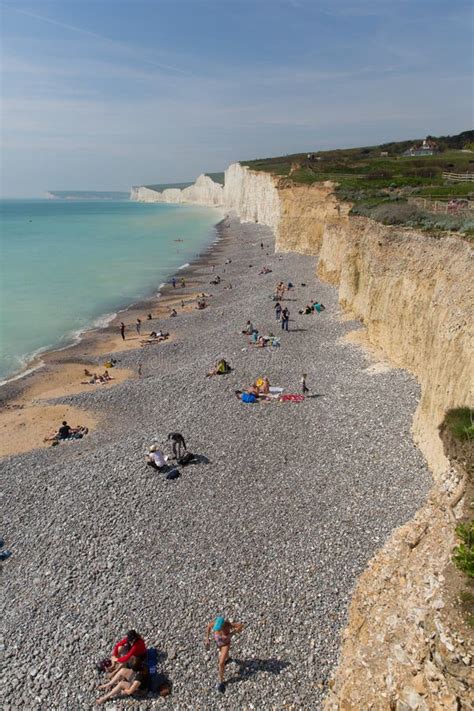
(201, 304)
(261, 342)
(221, 368)
(149, 317)
(87, 373)
(131, 646)
(127, 681)
(66, 432)
(155, 457)
(106, 376)
(223, 631)
(216, 280)
(249, 329)
(173, 313)
(263, 385)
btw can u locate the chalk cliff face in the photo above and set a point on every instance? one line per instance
(252, 196)
(204, 192)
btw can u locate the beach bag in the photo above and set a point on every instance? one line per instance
(185, 459)
(104, 664)
(173, 474)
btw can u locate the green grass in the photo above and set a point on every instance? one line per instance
(460, 423)
(463, 554)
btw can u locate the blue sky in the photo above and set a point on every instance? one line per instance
(103, 94)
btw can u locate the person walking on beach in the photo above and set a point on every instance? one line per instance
(304, 387)
(122, 330)
(138, 325)
(277, 310)
(223, 631)
(285, 319)
(173, 281)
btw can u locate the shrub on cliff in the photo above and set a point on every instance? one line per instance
(463, 554)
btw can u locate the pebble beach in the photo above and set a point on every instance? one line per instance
(271, 526)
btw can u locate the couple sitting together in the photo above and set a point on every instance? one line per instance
(65, 432)
(132, 670)
(260, 390)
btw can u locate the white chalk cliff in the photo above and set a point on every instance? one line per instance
(250, 195)
(204, 192)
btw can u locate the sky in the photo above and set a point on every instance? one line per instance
(106, 94)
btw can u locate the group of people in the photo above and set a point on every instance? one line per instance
(132, 668)
(66, 432)
(282, 315)
(155, 337)
(312, 307)
(159, 459)
(95, 379)
(182, 283)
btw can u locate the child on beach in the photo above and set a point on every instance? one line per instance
(304, 387)
(223, 631)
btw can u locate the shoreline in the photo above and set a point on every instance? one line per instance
(28, 399)
(34, 361)
(46, 352)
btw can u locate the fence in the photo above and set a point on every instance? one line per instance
(459, 177)
(445, 208)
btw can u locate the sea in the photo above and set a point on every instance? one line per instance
(70, 265)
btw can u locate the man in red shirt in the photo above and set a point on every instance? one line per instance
(130, 646)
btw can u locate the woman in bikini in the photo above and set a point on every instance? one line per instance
(223, 631)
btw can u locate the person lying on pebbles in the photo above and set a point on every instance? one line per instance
(155, 337)
(127, 681)
(223, 631)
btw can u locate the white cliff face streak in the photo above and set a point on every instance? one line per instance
(204, 192)
(252, 196)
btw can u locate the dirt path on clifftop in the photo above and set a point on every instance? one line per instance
(273, 530)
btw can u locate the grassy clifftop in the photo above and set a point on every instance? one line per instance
(385, 184)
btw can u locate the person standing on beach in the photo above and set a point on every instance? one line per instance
(304, 387)
(285, 319)
(122, 330)
(223, 631)
(261, 245)
(183, 283)
(277, 310)
(138, 325)
(173, 281)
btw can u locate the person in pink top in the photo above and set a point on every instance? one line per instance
(223, 631)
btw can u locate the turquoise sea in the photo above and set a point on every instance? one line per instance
(66, 266)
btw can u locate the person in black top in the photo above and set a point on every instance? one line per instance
(179, 445)
(64, 431)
